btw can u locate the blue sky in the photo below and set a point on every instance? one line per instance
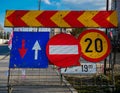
(49, 5)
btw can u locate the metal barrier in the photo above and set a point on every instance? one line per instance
(24, 80)
(97, 82)
(37, 80)
(50, 79)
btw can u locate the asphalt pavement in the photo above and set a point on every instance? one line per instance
(4, 49)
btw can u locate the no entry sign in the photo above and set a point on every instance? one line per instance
(63, 50)
(95, 45)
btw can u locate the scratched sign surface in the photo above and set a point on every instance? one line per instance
(28, 50)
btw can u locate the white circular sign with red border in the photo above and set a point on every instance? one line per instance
(63, 50)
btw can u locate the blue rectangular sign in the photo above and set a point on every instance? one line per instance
(29, 50)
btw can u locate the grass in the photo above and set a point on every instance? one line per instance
(95, 84)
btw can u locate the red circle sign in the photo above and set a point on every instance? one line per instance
(95, 45)
(63, 50)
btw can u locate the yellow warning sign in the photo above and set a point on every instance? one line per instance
(95, 45)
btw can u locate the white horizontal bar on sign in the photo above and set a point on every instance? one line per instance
(63, 49)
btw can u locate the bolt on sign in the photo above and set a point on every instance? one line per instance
(72, 19)
(95, 45)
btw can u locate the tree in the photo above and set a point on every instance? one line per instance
(8, 34)
(76, 31)
(0, 35)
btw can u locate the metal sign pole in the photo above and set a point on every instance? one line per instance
(8, 81)
(107, 8)
(39, 5)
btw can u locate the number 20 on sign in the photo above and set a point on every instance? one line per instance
(95, 45)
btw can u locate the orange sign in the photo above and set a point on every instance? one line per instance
(72, 19)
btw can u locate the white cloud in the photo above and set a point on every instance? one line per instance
(47, 2)
(110, 3)
(83, 1)
(85, 4)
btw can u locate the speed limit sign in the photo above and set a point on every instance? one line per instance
(95, 45)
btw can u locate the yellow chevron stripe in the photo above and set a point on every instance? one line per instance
(113, 18)
(86, 19)
(30, 18)
(8, 13)
(58, 18)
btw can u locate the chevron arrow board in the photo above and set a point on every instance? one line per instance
(71, 19)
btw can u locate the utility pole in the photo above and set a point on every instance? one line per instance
(39, 5)
(106, 30)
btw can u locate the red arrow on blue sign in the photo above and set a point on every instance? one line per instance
(22, 50)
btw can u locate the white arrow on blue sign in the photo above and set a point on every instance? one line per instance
(36, 47)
